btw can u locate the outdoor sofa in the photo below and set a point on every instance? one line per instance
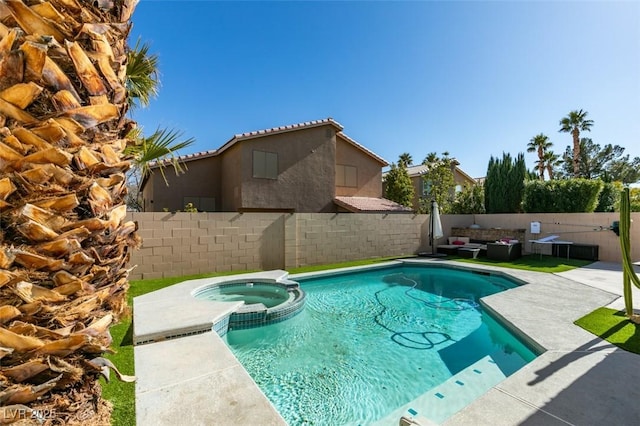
(456, 243)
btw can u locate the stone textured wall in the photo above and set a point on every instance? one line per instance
(193, 243)
(489, 234)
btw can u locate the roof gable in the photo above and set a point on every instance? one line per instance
(274, 131)
(252, 135)
(352, 142)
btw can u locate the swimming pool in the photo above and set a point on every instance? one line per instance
(370, 344)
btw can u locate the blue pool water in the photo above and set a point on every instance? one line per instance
(370, 342)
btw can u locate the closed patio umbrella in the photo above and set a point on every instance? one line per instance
(435, 227)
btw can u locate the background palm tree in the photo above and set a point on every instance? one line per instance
(551, 162)
(64, 240)
(159, 150)
(405, 160)
(575, 123)
(540, 143)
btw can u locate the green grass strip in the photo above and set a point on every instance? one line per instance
(614, 327)
(530, 262)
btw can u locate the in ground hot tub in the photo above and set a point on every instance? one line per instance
(265, 302)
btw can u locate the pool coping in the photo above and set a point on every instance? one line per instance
(196, 379)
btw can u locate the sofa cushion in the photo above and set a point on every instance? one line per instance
(464, 240)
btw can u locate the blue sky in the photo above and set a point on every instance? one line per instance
(475, 79)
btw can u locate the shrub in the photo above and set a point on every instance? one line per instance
(634, 194)
(609, 200)
(562, 196)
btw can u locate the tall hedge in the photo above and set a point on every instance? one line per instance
(562, 196)
(504, 184)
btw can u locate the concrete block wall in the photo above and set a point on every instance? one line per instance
(331, 238)
(178, 244)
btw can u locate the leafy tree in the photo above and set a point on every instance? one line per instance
(540, 144)
(607, 163)
(504, 184)
(624, 170)
(405, 159)
(609, 198)
(439, 182)
(574, 123)
(398, 186)
(470, 200)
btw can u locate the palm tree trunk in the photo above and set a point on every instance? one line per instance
(541, 164)
(576, 152)
(64, 243)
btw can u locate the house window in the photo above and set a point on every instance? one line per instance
(346, 175)
(458, 188)
(426, 188)
(265, 165)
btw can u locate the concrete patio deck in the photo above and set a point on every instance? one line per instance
(579, 380)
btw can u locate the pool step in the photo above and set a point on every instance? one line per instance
(441, 402)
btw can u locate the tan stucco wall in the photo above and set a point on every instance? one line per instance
(193, 243)
(369, 171)
(232, 165)
(306, 169)
(147, 194)
(305, 182)
(204, 175)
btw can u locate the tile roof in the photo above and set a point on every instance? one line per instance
(258, 133)
(184, 158)
(421, 169)
(289, 128)
(370, 204)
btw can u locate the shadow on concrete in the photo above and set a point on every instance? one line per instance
(607, 392)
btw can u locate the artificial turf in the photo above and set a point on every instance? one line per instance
(530, 262)
(614, 327)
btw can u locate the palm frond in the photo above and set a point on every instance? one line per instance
(143, 79)
(158, 150)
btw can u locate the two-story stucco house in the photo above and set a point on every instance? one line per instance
(420, 189)
(310, 167)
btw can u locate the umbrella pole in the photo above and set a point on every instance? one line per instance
(432, 239)
(432, 226)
